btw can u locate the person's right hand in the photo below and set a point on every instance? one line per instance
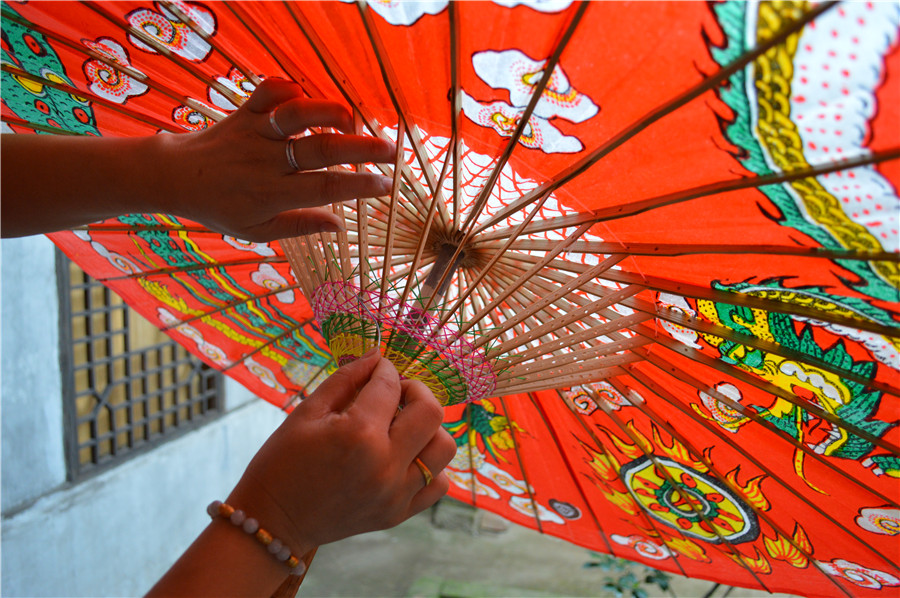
(343, 462)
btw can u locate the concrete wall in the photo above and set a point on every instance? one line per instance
(115, 533)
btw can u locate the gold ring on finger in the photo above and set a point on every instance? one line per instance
(426, 473)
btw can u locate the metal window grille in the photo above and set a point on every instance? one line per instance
(126, 385)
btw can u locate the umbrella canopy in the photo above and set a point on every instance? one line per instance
(646, 253)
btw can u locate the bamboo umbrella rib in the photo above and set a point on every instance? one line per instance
(162, 50)
(296, 258)
(471, 446)
(705, 327)
(573, 475)
(542, 320)
(500, 254)
(210, 40)
(137, 116)
(619, 139)
(590, 331)
(455, 108)
(565, 35)
(543, 284)
(638, 207)
(230, 305)
(271, 48)
(697, 292)
(597, 442)
(395, 92)
(566, 381)
(517, 302)
(563, 342)
(528, 296)
(289, 66)
(579, 359)
(660, 363)
(129, 71)
(723, 479)
(423, 235)
(661, 469)
(395, 187)
(766, 387)
(331, 267)
(698, 455)
(12, 120)
(574, 315)
(342, 242)
(487, 266)
(352, 97)
(515, 443)
(561, 291)
(682, 249)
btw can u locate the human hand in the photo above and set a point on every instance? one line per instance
(343, 462)
(236, 178)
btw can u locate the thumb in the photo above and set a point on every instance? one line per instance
(339, 391)
(295, 223)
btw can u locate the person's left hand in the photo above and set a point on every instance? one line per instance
(236, 177)
(344, 461)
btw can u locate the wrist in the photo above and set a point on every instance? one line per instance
(254, 500)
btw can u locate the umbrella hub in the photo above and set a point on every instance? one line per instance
(449, 255)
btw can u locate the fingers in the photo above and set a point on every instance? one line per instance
(294, 223)
(270, 93)
(436, 455)
(430, 494)
(340, 389)
(380, 398)
(297, 115)
(323, 150)
(414, 427)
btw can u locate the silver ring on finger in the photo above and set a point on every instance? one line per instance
(289, 152)
(274, 123)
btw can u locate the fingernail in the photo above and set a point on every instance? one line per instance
(331, 227)
(386, 184)
(371, 352)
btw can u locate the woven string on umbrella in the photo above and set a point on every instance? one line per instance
(645, 255)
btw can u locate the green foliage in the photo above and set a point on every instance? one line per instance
(628, 579)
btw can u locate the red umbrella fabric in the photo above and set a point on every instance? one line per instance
(668, 233)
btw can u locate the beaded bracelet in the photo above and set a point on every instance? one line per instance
(251, 526)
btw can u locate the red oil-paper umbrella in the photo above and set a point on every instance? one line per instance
(645, 253)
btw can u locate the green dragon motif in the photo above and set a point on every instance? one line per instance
(34, 101)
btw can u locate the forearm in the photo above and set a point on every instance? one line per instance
(222, 561)
(52, 183)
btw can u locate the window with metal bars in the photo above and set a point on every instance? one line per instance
(126, 385)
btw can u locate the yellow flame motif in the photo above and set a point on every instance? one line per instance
(751, 491)
(677, 452)
(759, 564)
(688, 548)
(782, 549)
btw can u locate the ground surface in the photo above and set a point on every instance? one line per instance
(455, 552)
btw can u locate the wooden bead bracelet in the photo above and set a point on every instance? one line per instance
(249, 525)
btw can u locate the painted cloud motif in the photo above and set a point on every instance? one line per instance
(107, 82)
(168, 30)
(513, 71)
(503, 118)
(396, 12)
(517, 73)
